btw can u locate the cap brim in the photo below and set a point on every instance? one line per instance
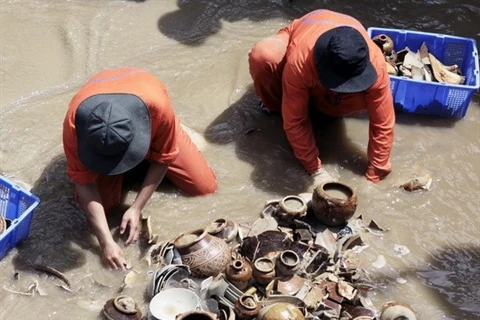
(138, 147)
(330, 79)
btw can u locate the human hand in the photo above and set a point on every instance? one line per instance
(321, 176)
(112, 256)
(131, 218)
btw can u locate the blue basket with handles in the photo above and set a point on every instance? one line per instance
(434, 98)
(17, 206)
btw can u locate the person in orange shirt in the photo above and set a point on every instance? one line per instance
(118, 119)
(325, 59)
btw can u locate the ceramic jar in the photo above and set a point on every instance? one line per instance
(264, 270)
(223, 229)
(334, 203)
(196, 315)
(397, 310)
(290, 208)
(287, 263)
(239, 273)
(205, 254)
(121, 308)
(384, 42)
(280, 311)
(246, 308)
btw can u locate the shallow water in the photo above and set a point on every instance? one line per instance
(198, 48)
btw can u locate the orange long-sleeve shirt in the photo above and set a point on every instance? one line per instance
(300, 83)
(163, 145)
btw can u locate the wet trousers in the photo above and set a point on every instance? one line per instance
(190, 173)
(266, 61)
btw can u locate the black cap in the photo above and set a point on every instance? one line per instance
(342, 59)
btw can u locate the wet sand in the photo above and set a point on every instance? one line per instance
(199, 49)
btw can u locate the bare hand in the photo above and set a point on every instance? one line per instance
(131, 218)
(112, 256)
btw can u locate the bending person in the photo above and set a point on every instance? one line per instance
(325, 59)
(118, 119)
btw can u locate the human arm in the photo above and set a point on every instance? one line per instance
(131, 218)
(381, 114)
(296, 121)
(90, 203)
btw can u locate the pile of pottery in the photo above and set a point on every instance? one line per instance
(296, 262)
(421, 65)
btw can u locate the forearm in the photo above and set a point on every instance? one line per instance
(155, 174)
(298, 127)
(91, 204)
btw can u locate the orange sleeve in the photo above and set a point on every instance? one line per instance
(163, 148)
(381, 113)
(296, 121)
(76, 171)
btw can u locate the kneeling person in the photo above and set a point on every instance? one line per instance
(118, 119)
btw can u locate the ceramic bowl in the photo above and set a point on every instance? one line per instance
(167, 304)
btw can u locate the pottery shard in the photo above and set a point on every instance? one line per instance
(304, 235)
(268, 242)
(331, 289)
(346, 290)
(412, 59)
(443, 74)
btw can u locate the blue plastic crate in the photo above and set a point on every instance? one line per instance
(17, 205)
(433, 98)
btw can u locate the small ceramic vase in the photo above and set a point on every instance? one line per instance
(280, 311)
(264, 270)
(239, 273)
(122, 308)
(287, 263)
(384, 42)
(290, 208)
(246, 308)
(334, 203)
(205, 254)
(196, 315)
(223, 229)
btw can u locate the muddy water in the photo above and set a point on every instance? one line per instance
(199, 48)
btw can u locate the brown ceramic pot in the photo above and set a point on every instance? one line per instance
(223, 229)
(239, 273)
(334, 203)
(397, 310)
(122, 308)
(287, 263)
(384, 42)
(280, 311)
(246, 308)
(205, 254)
(291, 207)
(264, 270)
(196, 315)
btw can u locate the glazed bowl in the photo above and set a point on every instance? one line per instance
(280, 311)
(334, 203)
(291, 207)
(167, 304)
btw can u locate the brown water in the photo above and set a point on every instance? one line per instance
(198, 48)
